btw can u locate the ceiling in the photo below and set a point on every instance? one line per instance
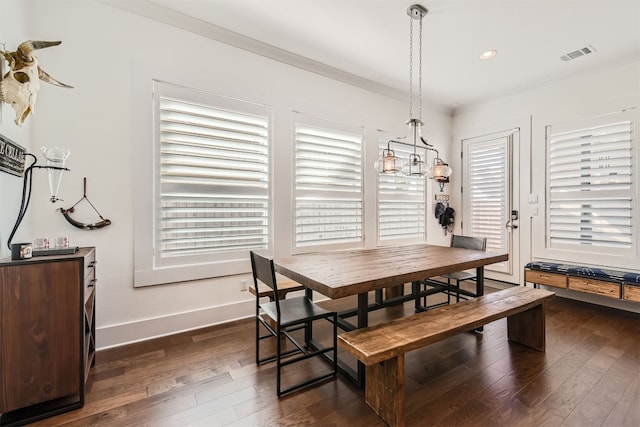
(370, 39)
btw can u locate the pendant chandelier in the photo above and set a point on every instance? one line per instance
(388, 163)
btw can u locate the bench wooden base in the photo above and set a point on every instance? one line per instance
(615, 288)
(382, 347)
(284, 286)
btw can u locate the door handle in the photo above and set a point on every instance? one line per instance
(514, 217)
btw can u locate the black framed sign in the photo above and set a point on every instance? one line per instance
(11, 156)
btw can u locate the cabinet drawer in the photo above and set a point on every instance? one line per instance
(596, 287)
(89, 264)
(632, 293)
(89, 273)
(544, 278)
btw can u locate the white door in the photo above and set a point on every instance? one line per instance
(490, 204)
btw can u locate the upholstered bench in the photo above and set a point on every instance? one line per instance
(610, 283)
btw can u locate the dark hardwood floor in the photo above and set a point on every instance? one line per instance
(589, 376)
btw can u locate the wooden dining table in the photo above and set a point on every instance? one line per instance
(342, 273)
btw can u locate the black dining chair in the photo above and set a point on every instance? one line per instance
(283, 318)
(432, 286)
(465, 242)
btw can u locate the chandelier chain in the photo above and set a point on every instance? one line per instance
(420, 72)
(411, 95)
(410, 67)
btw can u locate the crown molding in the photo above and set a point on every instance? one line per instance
(194, 25)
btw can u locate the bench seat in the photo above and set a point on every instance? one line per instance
(382, 347)
(604, 274)
(616, 284)
(284, 286)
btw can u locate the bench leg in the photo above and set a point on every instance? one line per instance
(528, 327)
(384, 390)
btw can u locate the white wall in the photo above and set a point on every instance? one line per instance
(12, 32)
(557, 101)
(102, 52)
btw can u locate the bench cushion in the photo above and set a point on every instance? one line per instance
(584, 271)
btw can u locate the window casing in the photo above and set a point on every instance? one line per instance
(401, 203)
(590, 190)
(211, 181)
(328, 184)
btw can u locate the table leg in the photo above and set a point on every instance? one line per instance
(480, 281)
(415, 290)
(480, 288)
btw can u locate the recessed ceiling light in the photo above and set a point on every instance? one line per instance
(488, 54)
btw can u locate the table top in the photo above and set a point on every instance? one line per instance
(337, 274)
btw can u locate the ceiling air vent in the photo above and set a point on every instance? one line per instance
(578, 53)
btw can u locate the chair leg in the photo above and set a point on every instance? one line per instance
(448, 290)
(308, 334)
(325, 353)
(335, 344)
(257, 340)
(457, 290)
(278, 361)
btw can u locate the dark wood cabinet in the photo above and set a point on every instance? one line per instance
(47, 334)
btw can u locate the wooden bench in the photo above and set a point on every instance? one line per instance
(382, 347)
(284, 286)
(616, 284)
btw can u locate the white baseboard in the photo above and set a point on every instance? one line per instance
(146, 329)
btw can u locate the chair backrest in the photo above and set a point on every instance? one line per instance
(467, 242)
(263, 271)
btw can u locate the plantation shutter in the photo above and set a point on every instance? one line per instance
(590, 184)
(401, 202)
(488, 188)
(213, 176)
(328, 183)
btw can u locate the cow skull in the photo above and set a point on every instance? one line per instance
(21, 84)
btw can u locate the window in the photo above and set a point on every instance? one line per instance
(589, 184)
(211, 189)
(488, 196)
(401, 203)
(328, 183)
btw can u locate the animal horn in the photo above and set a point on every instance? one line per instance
(26, 48)
(45, 77)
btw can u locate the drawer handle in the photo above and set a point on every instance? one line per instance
(93, 263)
(92, 283)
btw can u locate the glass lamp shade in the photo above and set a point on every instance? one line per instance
(56, 158)
(388, 163)
(414, 167)
(440, 170)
